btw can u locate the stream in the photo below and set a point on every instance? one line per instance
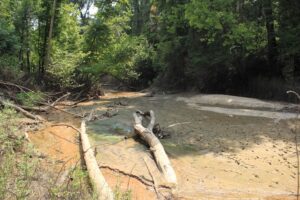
(218, 151)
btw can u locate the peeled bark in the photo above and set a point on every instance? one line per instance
(156, 147)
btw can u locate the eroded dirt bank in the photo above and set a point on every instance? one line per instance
(215, 155)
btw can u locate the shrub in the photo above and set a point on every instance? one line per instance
(121, 59)
(30, 98)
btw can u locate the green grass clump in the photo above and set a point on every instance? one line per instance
(122, 195)
(30, 98)
(17, 167)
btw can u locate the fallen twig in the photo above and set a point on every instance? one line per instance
(68, 125)
(152, 176)
(143, 180)
(178, 124)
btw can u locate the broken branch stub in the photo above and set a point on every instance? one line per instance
(156, 147)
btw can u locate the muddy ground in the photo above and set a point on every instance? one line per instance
(216, 155)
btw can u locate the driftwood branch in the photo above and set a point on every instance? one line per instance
(156, 147)
(100, 185)
(24, 112)
(293, 92)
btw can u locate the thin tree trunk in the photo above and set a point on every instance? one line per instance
(272, 45)
(21, 57)
(27, 45)
(28, 60)
(48, 40)
(136, 16)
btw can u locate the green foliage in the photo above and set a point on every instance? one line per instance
(96, 39)
(77, 187)
(9, 69)
(122, 58)
(110, 49)
(8, 39)
(16, 169)
(30, 98)
(62, 72)
(66, 48)
(289, 27)
(7, 127)
(219, 22)
(188, 42)
(120, 195)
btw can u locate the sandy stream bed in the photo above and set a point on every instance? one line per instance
(216, 155)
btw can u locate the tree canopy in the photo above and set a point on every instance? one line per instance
(248, 47)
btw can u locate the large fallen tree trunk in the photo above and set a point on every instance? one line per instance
(156, 147)
(99, 184)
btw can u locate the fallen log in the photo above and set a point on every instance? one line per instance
(99, 184)
(24, 112)
(156, 147)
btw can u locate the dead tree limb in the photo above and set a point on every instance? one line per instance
(67, 125)
(98, 181)
(156, 147)
(46, 106)
(22, 88)
(24, 112)
(60, 98)
(293, 92)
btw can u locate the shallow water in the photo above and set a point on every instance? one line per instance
(215, 156)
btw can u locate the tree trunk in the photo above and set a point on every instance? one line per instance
(21, 57)
(271, 37)
(28, 43)
(46, 59)
(136, 17)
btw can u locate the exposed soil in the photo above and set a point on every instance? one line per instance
(60, 143)
(215, 156)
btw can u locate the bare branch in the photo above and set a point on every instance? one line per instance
(295, 93)
(24, 112)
